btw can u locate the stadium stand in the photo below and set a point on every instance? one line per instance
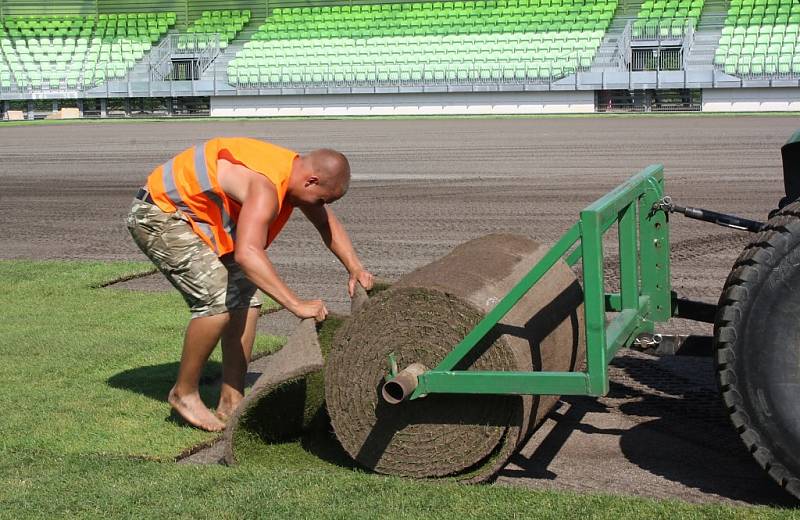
(227, 24)
(73, 51)
(430, 42)
(666, 18)
(760, 38)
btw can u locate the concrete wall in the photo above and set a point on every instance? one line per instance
(444, 103)
(775, 99)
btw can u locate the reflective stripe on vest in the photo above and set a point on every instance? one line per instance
(201, 174)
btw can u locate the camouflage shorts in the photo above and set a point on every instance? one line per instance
(209, 284)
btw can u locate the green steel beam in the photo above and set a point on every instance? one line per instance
(620, 329)
(625, 326)
(608, 206)
(517, 383)
(575, 256)
(594, 301)
(628, 258)
(654, 250)
(644, 297)
(505, 305)
(613, 302)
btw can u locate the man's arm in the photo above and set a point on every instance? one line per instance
(336, 239)
(259, 209)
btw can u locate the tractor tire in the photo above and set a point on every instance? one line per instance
(757, 347)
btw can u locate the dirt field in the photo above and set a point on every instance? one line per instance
(422, 186)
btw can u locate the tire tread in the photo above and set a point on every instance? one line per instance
(748, 271)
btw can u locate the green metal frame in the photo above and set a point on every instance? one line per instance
(644, 297)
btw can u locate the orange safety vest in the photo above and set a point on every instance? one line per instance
(188, 182)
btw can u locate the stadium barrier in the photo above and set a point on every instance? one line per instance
(656, 50)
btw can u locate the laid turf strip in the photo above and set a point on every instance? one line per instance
(419, 320)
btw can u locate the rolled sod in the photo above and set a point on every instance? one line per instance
(280, 403)
(420, 319)
(288, 398)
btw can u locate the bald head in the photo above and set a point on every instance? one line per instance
(319, 177)
(331, 167)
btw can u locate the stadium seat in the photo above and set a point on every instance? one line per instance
(476, 40)
(666, 18)
(227, 24)
(59, 52)
(760, 38)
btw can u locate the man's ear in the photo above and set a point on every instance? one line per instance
(311, 180)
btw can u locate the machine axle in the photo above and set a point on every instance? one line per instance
(721, 219)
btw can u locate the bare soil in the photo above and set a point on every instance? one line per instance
(419, 188)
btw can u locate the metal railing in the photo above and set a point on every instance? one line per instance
(763, 67)
(649, 100)
(657, 59)
(654, 47)
(115, 79)
(688, 43)
(624, 48)
(66, 83)
(183, 56)
(160, 60)
(663, 30)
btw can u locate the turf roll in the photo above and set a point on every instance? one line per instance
(281, 402)
(288, 398)
(420, 319)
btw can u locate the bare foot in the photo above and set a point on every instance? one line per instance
(226, 407)
(223, 415)
(193, 411)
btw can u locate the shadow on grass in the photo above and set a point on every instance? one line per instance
(315, 448)
(155, 381)
(290, 422)
(324, 445)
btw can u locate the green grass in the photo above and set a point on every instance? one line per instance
(87, 370)
(108, 486)
(85, 431)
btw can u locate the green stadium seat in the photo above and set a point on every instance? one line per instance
(58, 52)
(767, 35)
(666, 19)
(440, 41)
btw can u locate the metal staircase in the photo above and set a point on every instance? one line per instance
(218, 71)
(141, 71)
(606, 57)
(707, 35)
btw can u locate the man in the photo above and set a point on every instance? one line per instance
(205, 219)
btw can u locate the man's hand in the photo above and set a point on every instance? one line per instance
(361, 276)
(310, 309)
